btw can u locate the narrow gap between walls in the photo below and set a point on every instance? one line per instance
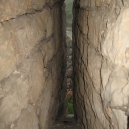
(69, 69)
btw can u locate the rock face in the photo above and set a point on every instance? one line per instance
(32, 67)
(101, 63)
(32, 63)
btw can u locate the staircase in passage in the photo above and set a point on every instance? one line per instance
(67, 123)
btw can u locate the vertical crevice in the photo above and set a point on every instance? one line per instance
(128, 122)
(69, 63)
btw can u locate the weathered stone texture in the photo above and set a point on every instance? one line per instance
(31, 63)
(101, 53)
(12, 8)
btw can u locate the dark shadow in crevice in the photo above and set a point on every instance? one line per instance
(128, 122)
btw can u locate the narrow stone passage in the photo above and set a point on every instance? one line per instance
(34, 84)
(67, 123)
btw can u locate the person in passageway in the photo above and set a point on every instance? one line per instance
(69, 93)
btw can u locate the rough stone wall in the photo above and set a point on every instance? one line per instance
(31, 63)
(101, 63)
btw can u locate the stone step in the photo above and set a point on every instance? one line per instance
(75, 127)
(67, 123)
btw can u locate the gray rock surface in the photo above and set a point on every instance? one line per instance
(31, 62)
(101, 37)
